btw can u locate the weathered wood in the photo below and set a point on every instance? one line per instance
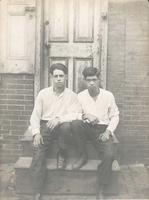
(104, 41)
(82, 40)
(39, 46)
(17, 37)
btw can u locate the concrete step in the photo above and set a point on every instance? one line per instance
(68, 181)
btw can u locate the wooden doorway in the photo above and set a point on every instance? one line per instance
(75, 33)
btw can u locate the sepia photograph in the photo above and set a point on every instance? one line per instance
(74, 100)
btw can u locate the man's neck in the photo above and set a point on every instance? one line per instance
(94, 94)
(58, 91)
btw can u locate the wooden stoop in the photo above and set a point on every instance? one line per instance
(68, 181)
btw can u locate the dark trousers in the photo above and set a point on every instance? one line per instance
(105, 150)
(38, 166)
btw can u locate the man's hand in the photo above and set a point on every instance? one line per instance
(51, 124)
(90, 119)
(104, 136)
(38, 140)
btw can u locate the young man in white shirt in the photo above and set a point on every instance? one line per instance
(55, 109)
(99, 121)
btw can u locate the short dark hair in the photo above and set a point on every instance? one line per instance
(58, 66)
(91, 71)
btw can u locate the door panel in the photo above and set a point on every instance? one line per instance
(84, 21)
(58, 20)
(17, 36)
(73, 37)
(79, 65)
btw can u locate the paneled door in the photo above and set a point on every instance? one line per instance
(72, 35)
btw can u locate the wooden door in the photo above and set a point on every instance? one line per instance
(72, 36)
(17, 36)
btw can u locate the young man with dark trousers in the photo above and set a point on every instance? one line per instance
(55, 110)
(100, 118)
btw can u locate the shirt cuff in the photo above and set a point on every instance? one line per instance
(111, 131)
(35, 131)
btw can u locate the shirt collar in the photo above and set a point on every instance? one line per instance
(97, 95)
(55, 93)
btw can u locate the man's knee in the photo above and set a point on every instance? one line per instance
(109, 151)
(64, 127)
(76, 124)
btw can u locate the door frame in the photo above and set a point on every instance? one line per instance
(40, 46)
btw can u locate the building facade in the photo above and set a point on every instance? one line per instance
(111, 35)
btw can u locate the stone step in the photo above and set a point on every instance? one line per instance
(68, 181)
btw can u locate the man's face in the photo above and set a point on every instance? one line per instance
(92, 83)
(59, 78)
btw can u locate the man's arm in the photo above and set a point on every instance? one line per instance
(35, 122)
(113, 114)
(74, 110)
(36, 116)
(89, 118)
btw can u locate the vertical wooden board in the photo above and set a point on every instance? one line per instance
(84, 20)
(104, 41)
(38, 71)
(79, 65)
(58, 18)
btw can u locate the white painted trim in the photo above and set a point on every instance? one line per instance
(104, 41)
(38, 47)
(126, 1)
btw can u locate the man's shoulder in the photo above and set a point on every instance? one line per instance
(82, 93)
(106, 92)
(44, 90)
(70, 92)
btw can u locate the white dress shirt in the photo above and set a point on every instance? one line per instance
(48, 106)
(104, 107)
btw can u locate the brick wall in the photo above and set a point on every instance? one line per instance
(128, 75)
(16, 104)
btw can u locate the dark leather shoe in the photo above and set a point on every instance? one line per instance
(37, 196)
(79, 163)
(61, 162)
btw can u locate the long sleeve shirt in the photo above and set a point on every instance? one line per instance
(104, 108)
(48, 106)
